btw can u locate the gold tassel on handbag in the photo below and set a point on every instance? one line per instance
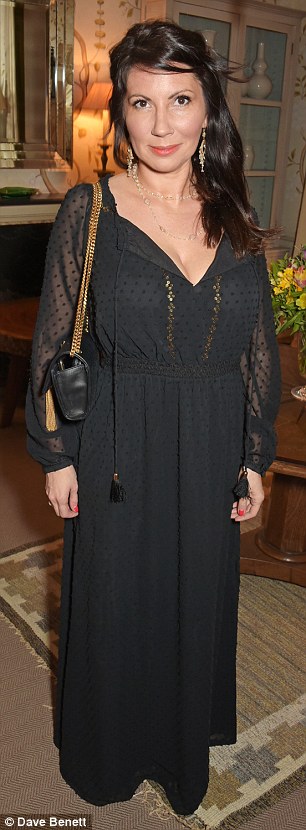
(51, 424)
(74, 401)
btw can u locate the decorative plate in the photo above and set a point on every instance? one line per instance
(15, 192)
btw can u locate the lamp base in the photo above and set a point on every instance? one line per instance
(102, 173)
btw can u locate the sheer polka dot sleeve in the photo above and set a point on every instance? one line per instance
(63, 271)
(261, 372)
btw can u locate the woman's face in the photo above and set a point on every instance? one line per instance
(165, 113)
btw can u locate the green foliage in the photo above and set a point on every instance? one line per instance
(288, 289)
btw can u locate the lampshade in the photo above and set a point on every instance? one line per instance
(97, 98)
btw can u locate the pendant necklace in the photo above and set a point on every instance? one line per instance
(190, 238)
(176, 198)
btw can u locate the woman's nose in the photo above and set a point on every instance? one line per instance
(161, 125)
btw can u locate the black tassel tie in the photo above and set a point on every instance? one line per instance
(117, 491)
(241, 490)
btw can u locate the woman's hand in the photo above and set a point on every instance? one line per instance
(245, 509)
(62, 492)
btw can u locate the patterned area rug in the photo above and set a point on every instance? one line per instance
(267, 760)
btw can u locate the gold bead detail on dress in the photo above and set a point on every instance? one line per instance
(214, 319)
(171, 307)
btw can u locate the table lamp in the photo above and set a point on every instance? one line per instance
(97, 101)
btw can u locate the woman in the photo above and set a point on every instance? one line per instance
(180, 309)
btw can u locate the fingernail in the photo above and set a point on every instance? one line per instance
(75, 509)
(241, 512)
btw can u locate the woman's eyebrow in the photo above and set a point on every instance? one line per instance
(145, 97)
(180, 92)
(138, 95)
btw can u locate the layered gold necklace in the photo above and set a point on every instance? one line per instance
(177, 197)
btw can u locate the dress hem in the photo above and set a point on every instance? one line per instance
(128, 793)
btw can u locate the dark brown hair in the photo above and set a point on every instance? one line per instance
(222, 187)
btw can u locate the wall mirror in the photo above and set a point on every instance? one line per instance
(36, 83)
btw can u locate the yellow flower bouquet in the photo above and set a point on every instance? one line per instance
(288, 287)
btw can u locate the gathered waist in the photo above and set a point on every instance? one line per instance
(133, 365)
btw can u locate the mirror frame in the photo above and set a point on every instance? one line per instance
(53, 149)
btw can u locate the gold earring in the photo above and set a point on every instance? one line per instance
(129, 160)
(202, 150)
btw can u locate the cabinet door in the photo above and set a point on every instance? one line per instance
(220, 29)
(262, 120)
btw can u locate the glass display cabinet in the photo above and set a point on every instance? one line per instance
(263, 41)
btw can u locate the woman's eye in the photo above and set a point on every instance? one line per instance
(182, 100)
(140, 104)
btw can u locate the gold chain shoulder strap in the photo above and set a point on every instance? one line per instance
(51, 422)
(90, 250)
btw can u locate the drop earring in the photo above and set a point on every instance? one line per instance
(202, 150)
(129, 160)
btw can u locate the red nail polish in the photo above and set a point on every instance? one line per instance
(75, 509)
(241, 512)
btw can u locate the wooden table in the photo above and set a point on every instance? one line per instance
(17, 322)
(278, 550)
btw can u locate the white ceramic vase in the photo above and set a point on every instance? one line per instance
(260, 84)
(249, 156)
(209, 36)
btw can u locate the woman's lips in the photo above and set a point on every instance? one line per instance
(164, 151)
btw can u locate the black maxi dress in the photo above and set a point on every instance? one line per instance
(146, 679)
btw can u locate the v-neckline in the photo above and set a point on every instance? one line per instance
(159, 248)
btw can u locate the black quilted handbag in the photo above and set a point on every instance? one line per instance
(71, 376)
